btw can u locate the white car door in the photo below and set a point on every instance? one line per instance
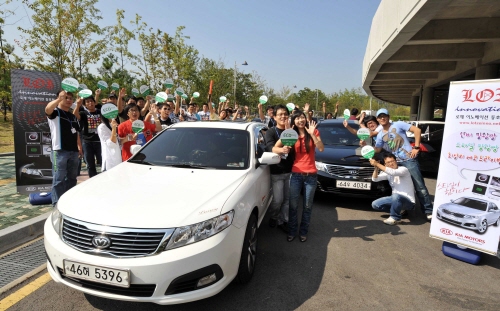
(261, 174)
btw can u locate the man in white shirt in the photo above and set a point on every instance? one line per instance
(403, 197)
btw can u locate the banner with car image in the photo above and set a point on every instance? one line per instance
(467, 200)
(31, 92)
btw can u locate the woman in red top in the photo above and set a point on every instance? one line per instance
(303, 173)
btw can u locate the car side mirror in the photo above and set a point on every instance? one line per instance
(135, 148)
(269, 158)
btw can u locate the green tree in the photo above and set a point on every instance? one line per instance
(85, 51)
(108, 73)
(120, 37)
(182, 60)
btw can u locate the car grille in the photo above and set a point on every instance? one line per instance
(458, 215)
(350, 172)
(135, 290)
(125, 242)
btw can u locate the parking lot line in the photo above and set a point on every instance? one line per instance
(14, 298)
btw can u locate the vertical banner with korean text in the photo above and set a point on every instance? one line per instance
(31, 92)
(467, 200)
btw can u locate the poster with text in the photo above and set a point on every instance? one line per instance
(31, 92)
(467, 200)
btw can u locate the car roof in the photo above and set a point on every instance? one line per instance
(217, 124)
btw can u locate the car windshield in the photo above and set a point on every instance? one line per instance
(202, 148)
(471, 203)
(337, 134)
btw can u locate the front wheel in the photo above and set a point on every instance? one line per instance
(249, 252)
(497, 223)
(482, 227)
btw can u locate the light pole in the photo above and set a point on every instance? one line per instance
(234, 84)
(316, 100)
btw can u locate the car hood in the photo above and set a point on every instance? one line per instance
(142, 196)
(460, 209)
(342, 155)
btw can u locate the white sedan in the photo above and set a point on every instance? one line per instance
(175, 223)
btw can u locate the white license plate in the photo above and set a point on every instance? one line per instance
(97, 274)
(353, 184)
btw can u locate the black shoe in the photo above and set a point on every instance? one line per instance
(284, 227)
(303, 238)
(272, 222)
(290, 238)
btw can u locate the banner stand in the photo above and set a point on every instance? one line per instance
(463, 254)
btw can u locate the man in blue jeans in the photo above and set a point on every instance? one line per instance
(393, 138)
(66, 145)
(399, 178)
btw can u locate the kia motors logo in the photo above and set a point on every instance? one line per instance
(353, 172)
(101, 241)
(446, 231)
(30, 188)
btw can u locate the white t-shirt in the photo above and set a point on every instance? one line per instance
(204, 116)
(111, 152)
(400, 181)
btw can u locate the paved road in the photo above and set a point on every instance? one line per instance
(351, 261)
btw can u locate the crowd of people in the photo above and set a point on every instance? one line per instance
(79, 130)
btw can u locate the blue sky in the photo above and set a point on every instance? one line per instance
(315, 43)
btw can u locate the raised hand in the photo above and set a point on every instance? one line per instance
(97, 92)
(123, 92)
(306, 107)
(62, 96)
(311, 128)
(114, 124)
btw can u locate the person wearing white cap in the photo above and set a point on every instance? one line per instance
(393, 137)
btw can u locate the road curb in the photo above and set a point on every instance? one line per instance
(22, 232)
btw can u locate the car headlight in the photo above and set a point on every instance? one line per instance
(200, 231)
(470, 216)
(56, 219)
(320, 166)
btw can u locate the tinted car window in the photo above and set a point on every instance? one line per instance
(211, 148)
(479, 205)
(337, 134)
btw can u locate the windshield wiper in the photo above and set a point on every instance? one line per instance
(187, 165)
(139, 161)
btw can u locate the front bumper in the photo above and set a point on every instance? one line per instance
(153, 274)
(328, 183)
(468, 223)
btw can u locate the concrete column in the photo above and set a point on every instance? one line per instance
(414, 108)
(427, 106)
(486, 72)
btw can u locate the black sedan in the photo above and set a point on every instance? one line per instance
(341, 168)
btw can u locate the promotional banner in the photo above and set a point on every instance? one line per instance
(467, 200)
(31, 92)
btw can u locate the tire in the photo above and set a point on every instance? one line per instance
(248, 252)
(483, 227)
(497, 223)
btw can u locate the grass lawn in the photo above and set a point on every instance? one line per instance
(6, 133)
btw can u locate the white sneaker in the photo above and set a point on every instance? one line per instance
(391, 221)
(429, 217)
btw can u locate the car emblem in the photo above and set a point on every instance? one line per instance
(101, 241)
(353, 172)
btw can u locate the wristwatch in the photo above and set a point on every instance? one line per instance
(416, 147)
